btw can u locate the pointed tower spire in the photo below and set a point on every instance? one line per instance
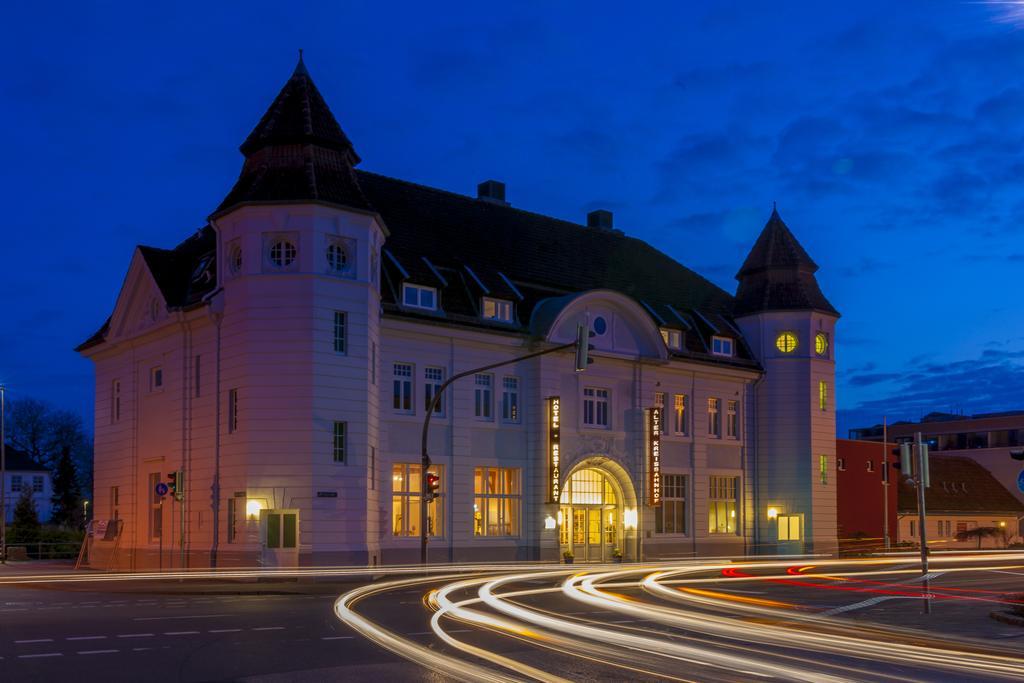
(297, 152)
(778, 274)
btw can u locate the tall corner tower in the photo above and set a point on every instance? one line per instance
(790, 326)
(298, 256)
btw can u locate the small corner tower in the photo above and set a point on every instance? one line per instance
(790, 326)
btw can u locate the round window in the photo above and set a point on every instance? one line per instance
(600, 325)
(786, 342)
(236, 260)
(282, 253)
(337, 257)
(821, 343)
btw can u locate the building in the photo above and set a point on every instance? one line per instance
(283, 356)
(986, 438)
(963, 496)
(866, 502)
(23, 474)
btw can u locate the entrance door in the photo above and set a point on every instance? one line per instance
(279, 531)
(590, 517)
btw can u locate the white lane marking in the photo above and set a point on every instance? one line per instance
(86, 638)
(34, 640)
(96, 652)
(142, 649)
(337, 638)
(180, 633)
(868, 603)
(135, 635)
(268, 628)
(224, 630)
(1003, 571)
(927, 577)
(45, 654)
(191, 616)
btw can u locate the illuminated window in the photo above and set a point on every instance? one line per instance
(721, 346)
(714, 417)
(821, 343)
(823, 395)
(670, 516)
(823, 469)
(673, 338)
(497, 309)
(789, 527)
(679, 414)
(722, 496)
(340, 441)
(595, 407)
(402, 395)
(416, 296)
(282, 253)
(482, 397)
(732, 419)
(659, 399)
(496, 501)
(433, 378)
(786, 342)
(340, 341)
(510, 400)
(406, 484)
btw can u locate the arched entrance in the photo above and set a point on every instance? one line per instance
(592, 515)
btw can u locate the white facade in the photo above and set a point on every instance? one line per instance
(17, 481)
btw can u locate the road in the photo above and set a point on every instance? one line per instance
(805, 619)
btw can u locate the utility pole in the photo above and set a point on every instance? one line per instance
(922, 481)
(3, 475)
(885, 481)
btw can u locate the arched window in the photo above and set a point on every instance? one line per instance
(282, 253)
(786, 342)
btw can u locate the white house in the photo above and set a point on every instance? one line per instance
(283, 356)
(22, 474)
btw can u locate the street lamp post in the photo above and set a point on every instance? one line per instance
(3, 475)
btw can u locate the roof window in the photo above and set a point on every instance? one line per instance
(418, 296)
(721, 346)
(497, 309)
(673, 338)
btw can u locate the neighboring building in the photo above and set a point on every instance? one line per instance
(963, 495)
(283, 357)
(22, 474)
(861, 473)
(986, 438)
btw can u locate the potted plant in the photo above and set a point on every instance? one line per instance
(568, 556)
(616, 555)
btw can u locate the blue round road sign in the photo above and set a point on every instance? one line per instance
(1020, 481)
(162, 489)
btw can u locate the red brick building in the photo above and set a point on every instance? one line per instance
(860, 472)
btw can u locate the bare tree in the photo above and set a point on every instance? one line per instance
(28, 428)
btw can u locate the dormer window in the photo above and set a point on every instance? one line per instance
(497, 309)
(721, 346)
(673, 339)
(418, 296)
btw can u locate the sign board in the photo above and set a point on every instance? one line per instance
(1020, 481)
(99, 527)
(654, 456)
(554, 449)
(326, 494)
(161, 489)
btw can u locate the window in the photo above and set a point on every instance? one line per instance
(870, 465)
(732, 423)
(913, 527)
(337, 257)
(679, 414)
(198, 375)
(786, 342)
(659, 399)
(714, 417)
(670, 516)
(416, 296)
(673, 338)
(232, 519)
(823, 469)
(282, 253)
(482, 398)
(406, 485)
(789, 527)
(340, 338)
(37, 484)
(115, 401)
(497, 309)
(373, 363)
(373, 468)
(402, 400)
(115, 502)
(721, 346)
(232, 411)
(841, 464)
(823, 394)
(15, 483)
(340, 444)
(156, 517)
(156, 378)
(722, 504)
(510, 399)
(433, 378)
(235, 260)
(496, 502)
(821, 344)
(595, 407)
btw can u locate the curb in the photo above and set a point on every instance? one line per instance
(1007, 618)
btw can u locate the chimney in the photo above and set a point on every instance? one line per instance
(600, 219)
(491, 191)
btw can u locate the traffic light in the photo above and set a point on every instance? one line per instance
(433, 486)
(176, 484)
(583, 348)
(906, 452)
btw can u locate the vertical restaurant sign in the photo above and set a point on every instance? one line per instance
(554, 449)
(654, 455)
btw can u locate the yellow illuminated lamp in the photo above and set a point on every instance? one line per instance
(773, 513)
(549, 522)
(1002, 523)
(629, 518)
(252, 509)
(786, 342)
(820, 343)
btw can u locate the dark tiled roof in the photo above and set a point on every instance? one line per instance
(778, 275)
(959, 484)
(20, 461)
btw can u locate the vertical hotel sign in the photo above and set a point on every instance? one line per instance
(554, 449)
(654, 456)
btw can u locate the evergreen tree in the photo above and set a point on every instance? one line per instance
(67, 497)
(25, 525)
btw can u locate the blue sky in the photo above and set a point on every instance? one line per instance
(890, 133)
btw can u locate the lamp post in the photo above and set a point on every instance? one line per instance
(3, 475)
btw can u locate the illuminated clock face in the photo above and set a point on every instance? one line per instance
(820, 343)
(786, 342)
